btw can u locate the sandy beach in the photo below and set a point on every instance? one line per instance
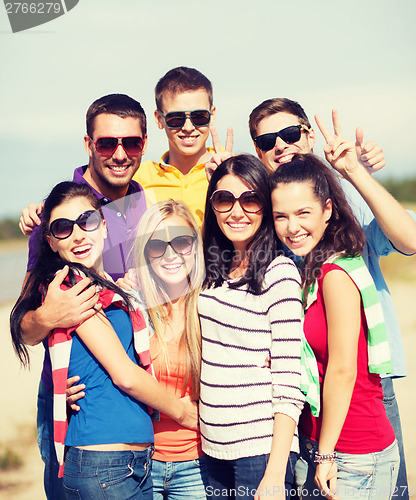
(19, 390)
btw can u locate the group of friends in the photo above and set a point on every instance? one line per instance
(252, 359)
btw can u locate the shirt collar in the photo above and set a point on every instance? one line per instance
(134, 187)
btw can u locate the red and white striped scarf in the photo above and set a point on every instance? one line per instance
(60, 343)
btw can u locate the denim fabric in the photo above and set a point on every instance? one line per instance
(244, 475)
(235, 478)
(370, 476)
(290, 481)
(52, 484)
(392, 410)
(178, 480)
(109, 475)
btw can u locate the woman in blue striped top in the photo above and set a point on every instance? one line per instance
(250, 308)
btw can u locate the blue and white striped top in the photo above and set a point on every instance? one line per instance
(239, 395)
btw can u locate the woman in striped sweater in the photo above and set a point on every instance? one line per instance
(350, 449)
(250, 308)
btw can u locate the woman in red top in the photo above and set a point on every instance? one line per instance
(350, 449)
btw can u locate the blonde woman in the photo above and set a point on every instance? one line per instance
(170, 270)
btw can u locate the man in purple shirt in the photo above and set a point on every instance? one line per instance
(115, 142)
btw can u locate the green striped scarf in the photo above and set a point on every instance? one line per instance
(379, 356)
(309, 377)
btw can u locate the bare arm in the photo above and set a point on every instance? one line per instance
(273, 480)
(343, 314)
(61, 308)
(101, 339)
(397, 225)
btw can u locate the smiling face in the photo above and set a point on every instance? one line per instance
(300, 220)
(111, 175)
(83, 247)
(189, 141)
(173, 269)
(238, 226)
(282, 152)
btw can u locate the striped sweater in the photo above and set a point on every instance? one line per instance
(239, 395)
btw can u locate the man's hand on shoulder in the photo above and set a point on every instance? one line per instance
(61, 308)
(30, 218)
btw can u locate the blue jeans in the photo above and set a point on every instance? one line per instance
(235, 478)
(362, 476)
(178, 480)
(109, 475)
(240, 478)
(53, 485)
(290, 481)
(392, 410)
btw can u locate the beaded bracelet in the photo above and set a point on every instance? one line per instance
(320, 459)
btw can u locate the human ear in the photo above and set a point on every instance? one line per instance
(311, 138)
(213, 116)
(104, 228)
(52, 243)
(87, 145)
(159, 120)
(328, 209)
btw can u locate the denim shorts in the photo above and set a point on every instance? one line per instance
(111, 475)
(369, 476)
(179, 480)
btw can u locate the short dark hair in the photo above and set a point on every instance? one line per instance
(218, 249)
(116, 104)
(343, 233)
(179, 80)
(273, 106)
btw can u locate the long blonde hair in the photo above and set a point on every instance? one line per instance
(157, 299)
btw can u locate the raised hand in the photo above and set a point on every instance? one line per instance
(219, 156)
(369, 154)
(30, 218)
(340, 152)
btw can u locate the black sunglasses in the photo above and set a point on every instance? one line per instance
(105, 146)
(182, 245)
(223, 201)
(266, 142)
(177, 119)
(87, 221)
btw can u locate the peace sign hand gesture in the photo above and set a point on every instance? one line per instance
(340, 152)
(219, 156)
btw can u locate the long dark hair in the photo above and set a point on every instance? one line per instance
(48, 263)
(343, 233)
(218, 249)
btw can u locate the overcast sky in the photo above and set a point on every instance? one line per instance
(356, 55)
